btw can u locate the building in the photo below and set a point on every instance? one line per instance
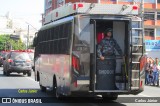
(151, 19)
(17, 27)
(6, 24)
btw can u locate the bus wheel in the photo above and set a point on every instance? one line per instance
(55, 91)
(29, 73)
(110, 97)
(7, 73)
(43, 89)
(4, 73)
(24, 73)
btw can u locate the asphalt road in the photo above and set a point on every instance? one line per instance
(15, 85)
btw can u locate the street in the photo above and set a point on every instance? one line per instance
(15, 85)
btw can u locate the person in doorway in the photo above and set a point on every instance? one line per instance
(108, 45)
(106, 48)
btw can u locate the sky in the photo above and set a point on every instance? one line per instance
(27, 10)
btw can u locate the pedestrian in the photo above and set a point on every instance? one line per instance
(106, 48)
(150, 76)
(147, 70)
(156, 69)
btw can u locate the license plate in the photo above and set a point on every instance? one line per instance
(19, 64)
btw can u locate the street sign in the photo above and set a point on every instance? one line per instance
(152, 45)
(15, 37)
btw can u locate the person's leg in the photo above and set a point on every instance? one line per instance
(145, 77)
(154, 78)
(148, 79)
(151, 78)
(158, 79)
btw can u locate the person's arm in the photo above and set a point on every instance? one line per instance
(99, 48)
(117, 47)
(158, 67)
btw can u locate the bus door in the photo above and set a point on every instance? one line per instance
(102, 72)
(93, 55)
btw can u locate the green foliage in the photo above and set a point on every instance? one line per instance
(30, 47)
(17, 45)
(6, 43)
(3, 41)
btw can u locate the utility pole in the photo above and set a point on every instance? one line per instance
(5, 45)
(28, 38)
(142, 23)
(27, 46)
(142, 9)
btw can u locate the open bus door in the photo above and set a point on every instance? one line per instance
(93, 58)
(103, 76)
(131, 77)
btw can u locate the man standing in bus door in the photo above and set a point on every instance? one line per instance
(108, 45)
(106, 48)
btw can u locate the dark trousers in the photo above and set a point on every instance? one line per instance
(146, 77)
(155, 78)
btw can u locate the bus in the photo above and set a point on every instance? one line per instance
(66, 60)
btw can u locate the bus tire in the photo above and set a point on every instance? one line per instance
(24, 73)
(43, 88)
(55, 90)
(37, 77)
(110, 97)
(29, 73)
(7, 73)
(4, 73)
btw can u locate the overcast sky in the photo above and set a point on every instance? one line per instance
(29, 10)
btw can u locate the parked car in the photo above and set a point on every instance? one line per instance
(17, 61)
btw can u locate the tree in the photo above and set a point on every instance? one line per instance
(17, 44)
(6, 43)
(3, 41)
